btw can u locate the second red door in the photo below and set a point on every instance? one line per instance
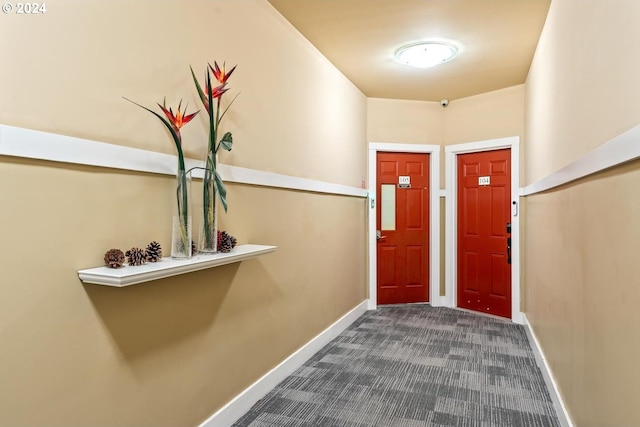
(484, 232)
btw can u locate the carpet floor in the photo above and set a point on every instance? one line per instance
(410, 366)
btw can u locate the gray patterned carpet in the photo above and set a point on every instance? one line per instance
(410, 366)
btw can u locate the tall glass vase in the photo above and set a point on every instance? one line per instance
(181, 231)
(208, 232)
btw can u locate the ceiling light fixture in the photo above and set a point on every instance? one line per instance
(426, 54)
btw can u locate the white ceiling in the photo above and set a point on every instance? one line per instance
(496, 41)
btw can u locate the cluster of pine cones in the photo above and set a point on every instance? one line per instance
(114, 258)
(226, 241)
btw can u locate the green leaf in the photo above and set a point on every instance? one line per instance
(212, 126)
(222, 191)
(200, 91)
(226, 109)
(227, 141)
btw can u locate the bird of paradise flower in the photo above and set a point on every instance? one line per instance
(174, 122)
(212, 182)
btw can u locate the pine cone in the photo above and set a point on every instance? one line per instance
(226, 242)
(136, 256)
(233, 240)
(153, 252)
(114, 258)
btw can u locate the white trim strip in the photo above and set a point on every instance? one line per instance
(237, 407)
(552, 386)
(619, 150)
(403, 148)
(32, 144)
(485, 145)
(269, 179)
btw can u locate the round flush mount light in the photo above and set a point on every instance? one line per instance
(426, 54)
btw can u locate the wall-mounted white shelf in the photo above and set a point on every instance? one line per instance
(166, 267)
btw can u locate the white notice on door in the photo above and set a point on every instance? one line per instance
(484, 180)
(404, 181)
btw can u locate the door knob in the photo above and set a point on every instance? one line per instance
(379, 235)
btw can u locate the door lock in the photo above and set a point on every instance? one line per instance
(508, 243)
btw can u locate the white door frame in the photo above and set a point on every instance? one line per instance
(434, 216)
(451, 241)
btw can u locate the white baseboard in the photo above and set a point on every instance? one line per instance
(518, 318)
(239, 406)
(558, 403)
(439, 302)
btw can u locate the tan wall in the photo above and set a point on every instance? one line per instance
(582, 242)
(169, 352)
(490, 115)
(406, 122)
(577, 98)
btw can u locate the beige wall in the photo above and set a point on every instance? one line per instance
(582, 238)
(582, 87)
(406, 122)
(169, 352)
(491, 115)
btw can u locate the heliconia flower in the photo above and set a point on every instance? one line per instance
(173, 123)
(219, 90)
(208, 92)
(178, 119)
(220, 74)
(215, 93)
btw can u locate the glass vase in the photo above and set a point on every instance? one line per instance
(181, 231)
(208, 231)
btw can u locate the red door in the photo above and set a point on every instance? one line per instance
(484, 221)
(403, 227)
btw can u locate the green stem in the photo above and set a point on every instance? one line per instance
(182, 198)
(209, 194)
(215, 137)
(208, 199)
